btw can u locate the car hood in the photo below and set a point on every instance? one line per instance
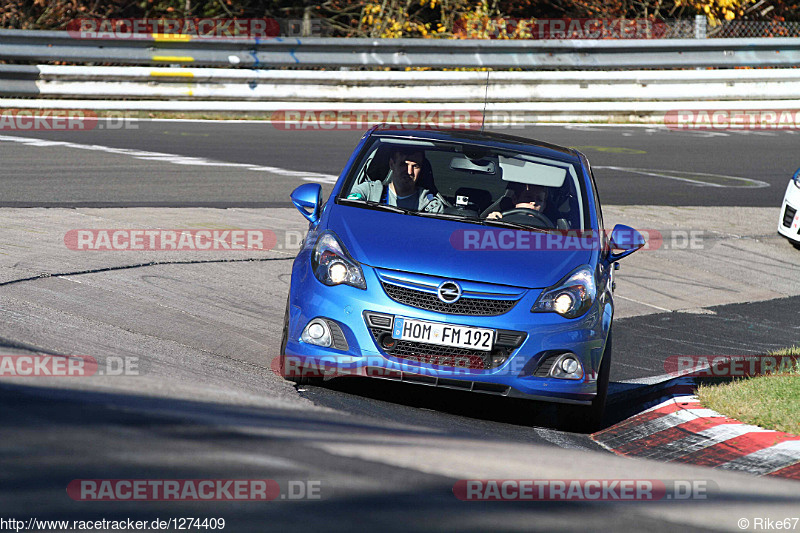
(434, 246)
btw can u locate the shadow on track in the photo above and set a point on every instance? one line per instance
(625, 400)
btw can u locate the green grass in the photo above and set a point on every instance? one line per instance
(770, 401)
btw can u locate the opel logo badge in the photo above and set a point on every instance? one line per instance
(449, 292)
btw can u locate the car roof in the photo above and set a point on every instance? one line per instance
(485, 138)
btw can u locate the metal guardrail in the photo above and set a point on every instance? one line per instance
(542, 80)
(48, 46)
(153, 83)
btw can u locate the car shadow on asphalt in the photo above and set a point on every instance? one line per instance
(625, 400)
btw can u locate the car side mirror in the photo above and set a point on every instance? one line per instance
(308, 196)
(625, 239)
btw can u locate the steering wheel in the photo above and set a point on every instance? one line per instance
(525, 213)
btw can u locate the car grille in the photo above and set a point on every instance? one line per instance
(431, 302)
(543, 370)
(788, 216)
(439, 355)
(447, 383)
(506, 341)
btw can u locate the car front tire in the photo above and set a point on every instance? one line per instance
(298, 380)
(598, 407)
(589, 418)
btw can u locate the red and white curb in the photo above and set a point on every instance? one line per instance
(680, 430)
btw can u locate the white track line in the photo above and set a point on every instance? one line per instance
(174, 159)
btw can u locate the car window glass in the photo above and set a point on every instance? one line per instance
(479, 183)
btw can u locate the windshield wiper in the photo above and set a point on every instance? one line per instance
(448, 216)
(371, 204)
(516, 225)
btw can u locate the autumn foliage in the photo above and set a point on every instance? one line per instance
(399, 18)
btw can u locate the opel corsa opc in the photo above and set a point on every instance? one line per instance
(489, 271)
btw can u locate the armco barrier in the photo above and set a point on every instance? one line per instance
(46, 46)
(511, 97)
(48, 81)
(549, 80)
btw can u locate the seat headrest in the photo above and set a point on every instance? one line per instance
(378, 168)
(426, 177)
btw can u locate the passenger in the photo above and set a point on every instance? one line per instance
(403, 190)
(525, 196)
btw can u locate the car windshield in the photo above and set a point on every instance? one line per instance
(465, 181)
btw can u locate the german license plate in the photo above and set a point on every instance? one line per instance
(409, 329)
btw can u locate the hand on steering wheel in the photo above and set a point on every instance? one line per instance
(531, 213)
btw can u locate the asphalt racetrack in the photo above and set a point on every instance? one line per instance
(254, 164)
(203, 330)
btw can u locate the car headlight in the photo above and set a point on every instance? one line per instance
(796, 178)
(571, 297)
(332, 264)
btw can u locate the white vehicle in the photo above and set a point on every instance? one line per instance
(789, 221)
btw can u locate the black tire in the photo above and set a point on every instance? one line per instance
(598, 408)
(589, 418)
(298, 380)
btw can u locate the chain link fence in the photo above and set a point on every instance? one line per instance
(619, 28)
(753, 28)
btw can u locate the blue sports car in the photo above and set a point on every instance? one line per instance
(458, 259)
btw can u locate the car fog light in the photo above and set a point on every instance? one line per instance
(567, 366)
(563, 303)
(388, 342)
(498, 359)
(317, 332)
(337, 272)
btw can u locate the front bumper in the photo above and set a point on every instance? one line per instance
(546, 333)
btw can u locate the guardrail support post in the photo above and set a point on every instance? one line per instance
(700, 26)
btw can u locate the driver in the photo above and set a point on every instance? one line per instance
(526, 196)
(404, 189)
